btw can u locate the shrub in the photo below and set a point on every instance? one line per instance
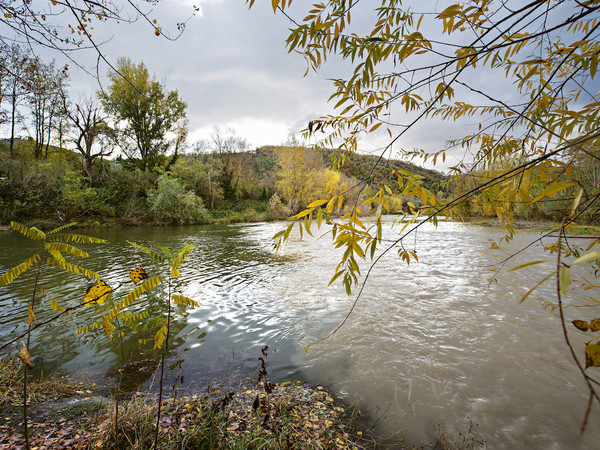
(171, 203)
(277, 209)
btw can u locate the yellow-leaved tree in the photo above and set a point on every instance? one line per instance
(521, 74)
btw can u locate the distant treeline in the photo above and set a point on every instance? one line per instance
(268, 183)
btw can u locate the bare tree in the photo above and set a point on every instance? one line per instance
(92, 136)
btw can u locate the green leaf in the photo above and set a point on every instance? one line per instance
(591, 256)
(155, 256)
(564, 280)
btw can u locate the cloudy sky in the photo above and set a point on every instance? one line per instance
(230, 66)
(233, 70)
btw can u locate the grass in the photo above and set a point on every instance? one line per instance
(291, 416)
(11, 385)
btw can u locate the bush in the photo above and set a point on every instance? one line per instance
(276, 208)
(171, 203)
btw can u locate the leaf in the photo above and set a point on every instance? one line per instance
(552, 189)
(25, 357)
(330, 205)
(138, 274)
(595, 325)
(536, 286)
(61, 228)
(591, 256)
(159, 337)
(155, 256)
(307, 347)
(71, 268)
(524, 265)
(78, 238)
(109, 328)
(317, 203)
(65, 248)
(97, 293)
(581, 325)
(14, 273)
(54, 305)
(184, 301)
(564, 280)
(180, 256)
(592, 355)
(128, 300)
(30, 315)
(31, 233)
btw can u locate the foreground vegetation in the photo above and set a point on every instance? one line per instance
(294, 415)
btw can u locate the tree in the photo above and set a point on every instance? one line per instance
(15, 82)
(93, 137)
(523, 72)
(145, 111)
(45, 102)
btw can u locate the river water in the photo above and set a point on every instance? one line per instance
(436, 343)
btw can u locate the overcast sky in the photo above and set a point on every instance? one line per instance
(232, 68)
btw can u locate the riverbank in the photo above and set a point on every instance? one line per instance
(65, 415)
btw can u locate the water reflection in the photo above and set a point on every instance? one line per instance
(430, 343)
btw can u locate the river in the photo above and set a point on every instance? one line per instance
(435, 343)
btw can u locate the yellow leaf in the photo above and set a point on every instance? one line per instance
(25, 357)
(307, 347)
(592, 355)
(552, 189)
(317, 203)
(97, 293)
(138, 274)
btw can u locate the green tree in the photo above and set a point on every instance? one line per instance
(144, 111)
